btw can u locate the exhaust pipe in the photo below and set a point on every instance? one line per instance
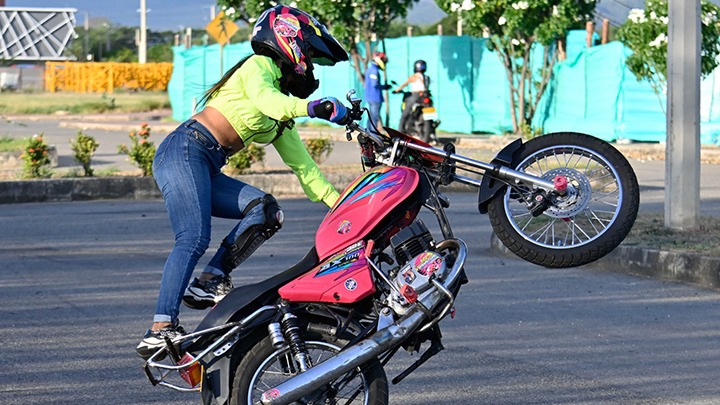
(352, 357)
(345, 361)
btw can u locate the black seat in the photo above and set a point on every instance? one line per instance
(245, 299)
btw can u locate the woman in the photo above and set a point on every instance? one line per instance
(255, 101)
(419, 83)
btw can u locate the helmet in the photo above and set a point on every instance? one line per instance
(420, 66)
(380, 59)
(298, 40)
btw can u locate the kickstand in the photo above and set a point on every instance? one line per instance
(435, 348)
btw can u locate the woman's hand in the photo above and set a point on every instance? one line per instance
(328, 108)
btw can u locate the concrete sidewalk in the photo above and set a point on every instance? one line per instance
(112, 129)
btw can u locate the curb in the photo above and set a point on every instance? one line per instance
(700, 271)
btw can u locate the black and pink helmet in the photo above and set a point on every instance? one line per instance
(296, 37)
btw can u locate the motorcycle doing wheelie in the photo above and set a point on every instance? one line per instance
(377, 280)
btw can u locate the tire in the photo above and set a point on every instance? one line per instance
(251, 379)
(581, 227)
(428, 132)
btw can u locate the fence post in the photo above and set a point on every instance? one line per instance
(605, 31)
(590, 29)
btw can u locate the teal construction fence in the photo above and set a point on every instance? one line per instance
(592, 91)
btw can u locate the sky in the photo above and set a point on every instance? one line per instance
(174, 15)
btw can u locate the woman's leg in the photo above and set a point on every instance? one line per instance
(183, 173)
(260, 216)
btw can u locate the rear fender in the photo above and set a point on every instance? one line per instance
(490, 186)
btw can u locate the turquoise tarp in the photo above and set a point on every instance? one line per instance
(592, 91)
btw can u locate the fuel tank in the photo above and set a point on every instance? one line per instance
(343, 278)
(363, 204)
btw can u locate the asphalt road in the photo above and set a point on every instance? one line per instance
(78, 283)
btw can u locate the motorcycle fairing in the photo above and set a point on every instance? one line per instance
(343, 278)
(363, 205)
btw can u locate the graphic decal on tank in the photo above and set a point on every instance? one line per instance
(373, 182)
(344, 262)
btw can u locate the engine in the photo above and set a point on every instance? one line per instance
(418, 262)
(411, 241)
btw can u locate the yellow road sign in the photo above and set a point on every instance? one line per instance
(221, 28)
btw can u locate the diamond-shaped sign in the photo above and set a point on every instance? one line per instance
(221, 28)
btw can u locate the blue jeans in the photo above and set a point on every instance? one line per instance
(374, 112)
(187, 169)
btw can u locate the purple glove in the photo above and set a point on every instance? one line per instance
(328, 108)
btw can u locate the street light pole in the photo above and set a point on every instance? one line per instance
(142, 46)
(682, 160)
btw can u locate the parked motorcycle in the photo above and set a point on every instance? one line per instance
(377, 280)
(423, 119)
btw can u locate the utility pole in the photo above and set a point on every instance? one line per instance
(142, 46)
(682, 151)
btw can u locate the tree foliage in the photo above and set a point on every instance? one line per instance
(646, 33)
(353, 23)
(513, 28)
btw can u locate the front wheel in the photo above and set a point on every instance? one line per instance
(265, 367)
(580, 227)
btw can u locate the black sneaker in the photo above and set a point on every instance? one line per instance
(155, 339)
(205, 294)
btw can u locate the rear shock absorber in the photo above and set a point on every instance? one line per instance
(291, 330)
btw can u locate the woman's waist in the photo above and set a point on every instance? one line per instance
(220, 129)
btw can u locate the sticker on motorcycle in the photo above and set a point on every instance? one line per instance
(351, 284)
(344, 227)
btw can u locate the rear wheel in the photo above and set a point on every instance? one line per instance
(428, 132)
(265, 367)
(580, 227)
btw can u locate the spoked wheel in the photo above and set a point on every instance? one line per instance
(591, 220)
(265, 367)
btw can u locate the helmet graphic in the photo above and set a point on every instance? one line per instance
(420, 66)
(380, 59)
(296, 37)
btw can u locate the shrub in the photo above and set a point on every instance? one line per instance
(84, 148)
(141, 150)
(319, 148)
(36, 156)
(242, 160)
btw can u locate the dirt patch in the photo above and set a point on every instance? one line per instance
(650, 231)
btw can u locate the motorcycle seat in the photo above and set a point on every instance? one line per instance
(243, 300)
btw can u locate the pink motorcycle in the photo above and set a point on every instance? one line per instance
(377, 280)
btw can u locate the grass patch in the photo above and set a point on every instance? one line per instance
(79, 103)
(8, 144)
(650, 231)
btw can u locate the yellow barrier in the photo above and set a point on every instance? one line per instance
(91, 77)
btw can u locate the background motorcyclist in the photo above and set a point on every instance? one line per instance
(419, 83)
(374, 88)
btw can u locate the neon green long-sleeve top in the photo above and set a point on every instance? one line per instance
(252, 102)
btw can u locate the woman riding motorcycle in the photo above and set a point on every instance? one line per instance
(255, 101)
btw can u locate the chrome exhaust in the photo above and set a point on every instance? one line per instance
(359, 354)
(345, 361)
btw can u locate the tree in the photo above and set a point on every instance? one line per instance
(513, 28)
(646, 33)
(354, 24)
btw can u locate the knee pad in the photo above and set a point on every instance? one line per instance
(240, 249)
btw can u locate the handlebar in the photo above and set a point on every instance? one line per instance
(394, 145)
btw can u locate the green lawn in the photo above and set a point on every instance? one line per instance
(78, 103)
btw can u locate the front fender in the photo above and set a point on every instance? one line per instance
(490, 186)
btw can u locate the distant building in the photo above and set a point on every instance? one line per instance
(36, 34)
